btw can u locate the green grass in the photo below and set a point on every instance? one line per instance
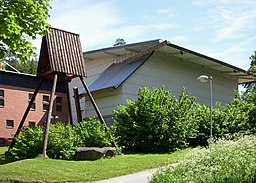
(223, 162)
(83, 171)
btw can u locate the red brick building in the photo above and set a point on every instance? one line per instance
(16, 90)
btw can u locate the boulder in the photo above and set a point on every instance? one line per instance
(94, 153)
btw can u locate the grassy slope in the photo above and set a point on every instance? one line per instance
(75, 171)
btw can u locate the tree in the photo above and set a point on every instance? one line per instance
(29, 67)
(253, 63)
(119, 41)
(250, 94)
(20, 21)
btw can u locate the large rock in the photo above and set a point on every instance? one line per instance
(94, 153)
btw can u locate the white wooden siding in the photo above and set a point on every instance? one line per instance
(162, 70)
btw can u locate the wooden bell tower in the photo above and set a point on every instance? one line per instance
(61, 58)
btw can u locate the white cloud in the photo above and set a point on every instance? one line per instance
(233, 23)
(99, 23)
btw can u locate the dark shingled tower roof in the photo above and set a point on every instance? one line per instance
(61, 52)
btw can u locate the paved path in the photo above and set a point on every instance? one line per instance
(140, 177)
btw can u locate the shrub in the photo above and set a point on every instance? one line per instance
(223, 162)
(61, 141)
(201, 116)
(91, 133)
(238, 117)
(156, 121)
(30, 143)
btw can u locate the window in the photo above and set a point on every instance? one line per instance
(45, 102)
(1, 98)
(33, 107)
(9, 123)
(59, 104)
(31, 124)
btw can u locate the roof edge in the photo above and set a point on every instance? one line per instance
(209, 58)
(154, 41)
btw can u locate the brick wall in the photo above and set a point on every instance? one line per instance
(15, 103)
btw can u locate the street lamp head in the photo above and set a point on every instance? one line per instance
(203, 78)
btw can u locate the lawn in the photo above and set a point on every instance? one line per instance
(51, 170)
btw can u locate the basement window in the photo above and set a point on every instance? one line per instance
(1, 98)
(46, 100)
(33, 107)
(9, 124)
(59, 104)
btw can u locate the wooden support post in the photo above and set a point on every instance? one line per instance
(95, 107)
(93, 103)
(69, 105)
(78, 107)
(26, 113)
(49, 115)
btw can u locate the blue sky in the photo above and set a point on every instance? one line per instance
(222, 29)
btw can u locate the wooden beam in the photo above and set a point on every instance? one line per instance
(93, 103)
(78, 107)
(26, 113)
(69, 104)
(46, 134)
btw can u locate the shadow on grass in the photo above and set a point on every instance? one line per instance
(7, 158)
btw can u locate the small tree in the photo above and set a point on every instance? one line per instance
(119, 42)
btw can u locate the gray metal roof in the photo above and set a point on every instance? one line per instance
(116, 74)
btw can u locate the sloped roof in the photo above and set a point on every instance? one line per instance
(121, 49)
(116, 74)
(61, 51)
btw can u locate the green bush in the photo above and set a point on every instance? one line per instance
(223, 162)
(30, 143)
(61, 141)
(201, 116)
(240, 117)
(91, 133)
(156, 121)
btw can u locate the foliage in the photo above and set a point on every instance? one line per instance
(21, 20)
(249, 95)
(156, 121)
(30, 143)
(223, 162)
(238, 117)
(29, 67)
(91, 133)
(252, 69)
(61, 141)
(119, 42)
(253, 63)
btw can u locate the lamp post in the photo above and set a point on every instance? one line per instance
(204, 78)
